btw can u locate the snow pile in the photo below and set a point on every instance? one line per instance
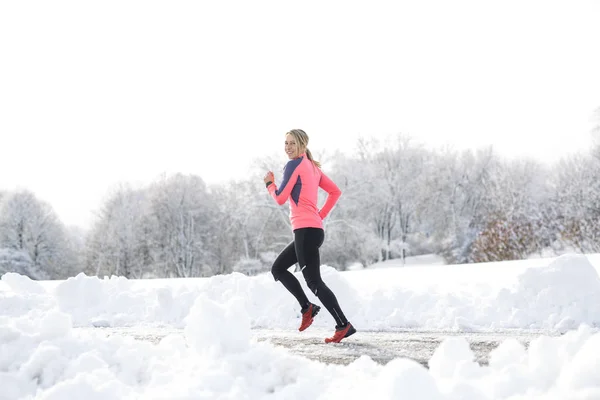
(119, 302)
(232, 319)
(552, 368)
(23, 296)
(561, 295)
(216, 358)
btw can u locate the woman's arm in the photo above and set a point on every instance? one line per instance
(333, 194)
(290, 175)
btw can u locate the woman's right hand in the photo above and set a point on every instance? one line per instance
(269, 177)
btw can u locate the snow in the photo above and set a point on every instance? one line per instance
(214, 355)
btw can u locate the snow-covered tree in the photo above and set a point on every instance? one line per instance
(395, 170)
(577, 202)
(382, 192)
(575, 205)
(119, 241)
(30, 226)
(242, 221)
(182, 213)
(596, 133)
(451, 194)
(513, 222)
(18, 261)
(76, 242)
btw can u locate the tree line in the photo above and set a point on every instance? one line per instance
(399, 199)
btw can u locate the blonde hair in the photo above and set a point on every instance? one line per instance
(302, 141)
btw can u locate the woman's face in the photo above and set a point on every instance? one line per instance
(292, 149)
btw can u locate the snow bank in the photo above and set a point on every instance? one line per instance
(216, 358)
(561, 295)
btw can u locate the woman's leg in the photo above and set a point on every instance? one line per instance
(280, 272)
(308, 241)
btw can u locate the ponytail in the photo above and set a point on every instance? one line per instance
(310, 157)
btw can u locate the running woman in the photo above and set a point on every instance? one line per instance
(302, 178)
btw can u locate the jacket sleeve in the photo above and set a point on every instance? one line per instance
(290, 176)
(333, 194)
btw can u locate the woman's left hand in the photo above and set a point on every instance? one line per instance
(269, 177)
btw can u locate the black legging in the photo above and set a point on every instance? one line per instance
(304, 250)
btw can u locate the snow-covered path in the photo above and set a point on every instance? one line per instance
(382, 346)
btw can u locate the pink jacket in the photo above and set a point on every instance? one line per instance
(301, 182)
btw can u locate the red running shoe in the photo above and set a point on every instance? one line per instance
(341, 332)
(308, 315)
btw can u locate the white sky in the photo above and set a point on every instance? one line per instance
(96, 93)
